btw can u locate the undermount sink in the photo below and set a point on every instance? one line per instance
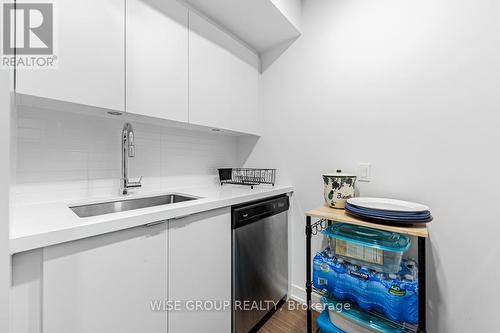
(128, 204)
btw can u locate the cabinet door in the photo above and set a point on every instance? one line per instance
(157, 59)
(26, 292)
(200, 270)
(223, 79)
(89, 44)
(106, 283)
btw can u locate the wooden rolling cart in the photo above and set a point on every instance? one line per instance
(326, 216)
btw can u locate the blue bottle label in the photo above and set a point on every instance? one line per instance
(397, 290)
(360, 275)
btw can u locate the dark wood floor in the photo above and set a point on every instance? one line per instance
(291, 318)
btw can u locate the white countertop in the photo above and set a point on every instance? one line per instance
(39, 225)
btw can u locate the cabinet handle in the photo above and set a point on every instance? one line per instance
(155, 223)
(164, 221)
(181, 217)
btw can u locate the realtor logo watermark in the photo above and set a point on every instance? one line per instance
(28, 35)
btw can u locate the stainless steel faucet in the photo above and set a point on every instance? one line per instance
(128, 150)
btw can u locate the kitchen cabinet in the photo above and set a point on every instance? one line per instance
(223, 79)
(107, 283)
(157, 59)
(90, 49)
(154, 58)
(200, 270)
(26, 292)
(110, 282)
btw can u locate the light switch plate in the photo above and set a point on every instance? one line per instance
(364, 172)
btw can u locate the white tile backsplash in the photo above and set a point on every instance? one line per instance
(60, 154)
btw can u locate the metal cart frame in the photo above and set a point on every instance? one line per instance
(326, 218)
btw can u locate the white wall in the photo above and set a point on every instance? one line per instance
(5, 88)
(60, 154)
(412, 87)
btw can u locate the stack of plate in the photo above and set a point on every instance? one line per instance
(388, 210)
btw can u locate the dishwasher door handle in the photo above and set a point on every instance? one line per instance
(155, 223)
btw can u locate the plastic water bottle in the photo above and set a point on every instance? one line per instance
(394, 295)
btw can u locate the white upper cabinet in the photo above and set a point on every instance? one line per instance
(223, 79)
(157, 59)
(89, 44)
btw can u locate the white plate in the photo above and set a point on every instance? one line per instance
(388, 204)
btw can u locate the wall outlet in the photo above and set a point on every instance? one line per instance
(364, 172)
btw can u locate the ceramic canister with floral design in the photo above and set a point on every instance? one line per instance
(338, 188)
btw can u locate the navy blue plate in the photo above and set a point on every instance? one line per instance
(380, 214)
(388, 211)
(383, 220)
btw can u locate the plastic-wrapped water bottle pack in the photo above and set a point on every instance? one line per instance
(395, 295)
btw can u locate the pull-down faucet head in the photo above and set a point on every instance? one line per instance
(130, 139)
(128, 149)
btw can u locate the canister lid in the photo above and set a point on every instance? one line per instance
(379, 239)
(339, 173)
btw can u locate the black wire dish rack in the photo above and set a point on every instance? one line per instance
(247, 176)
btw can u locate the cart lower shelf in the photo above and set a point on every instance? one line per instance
(375, 316)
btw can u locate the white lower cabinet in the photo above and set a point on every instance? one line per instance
(106, 284)
(26, 292)
(200, 270)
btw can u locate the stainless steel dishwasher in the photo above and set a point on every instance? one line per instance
(260, 261)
